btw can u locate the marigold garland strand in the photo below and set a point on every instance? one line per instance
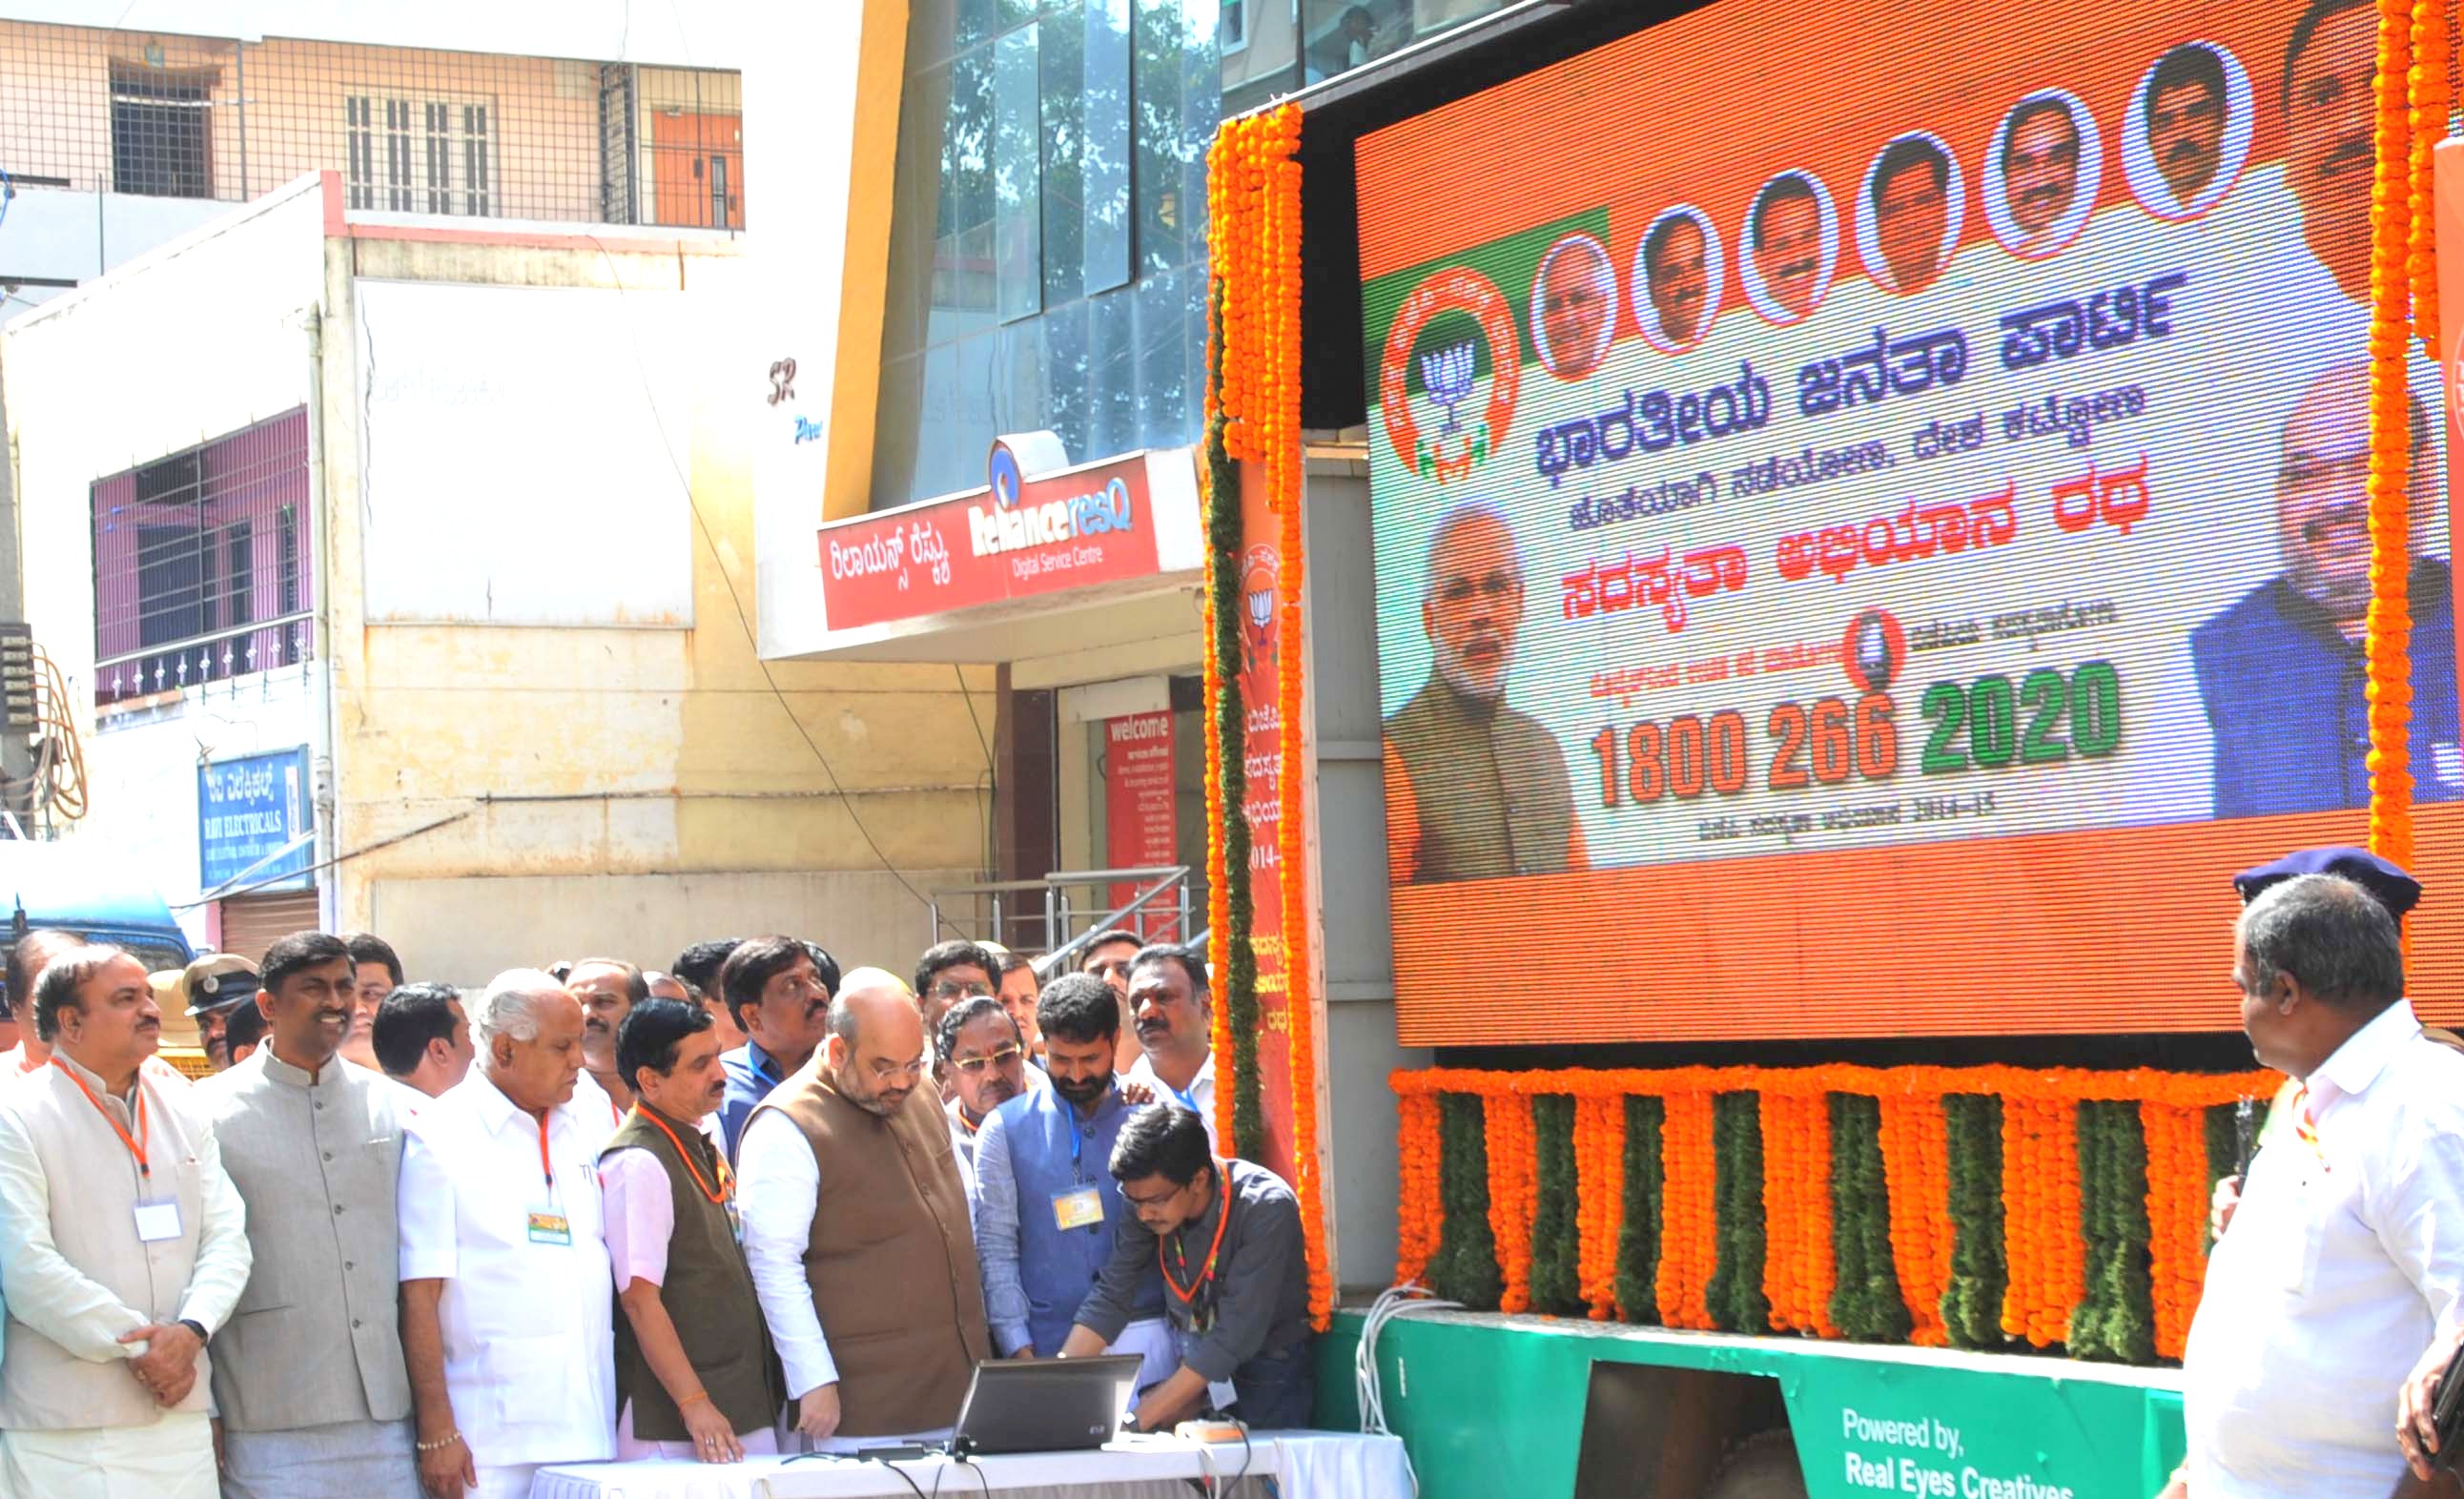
(2387, 625)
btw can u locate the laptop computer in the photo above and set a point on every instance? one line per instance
(1045, 1404)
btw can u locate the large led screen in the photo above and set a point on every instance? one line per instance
(1869, 517)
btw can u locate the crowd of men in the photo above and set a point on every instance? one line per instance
(405, 1240)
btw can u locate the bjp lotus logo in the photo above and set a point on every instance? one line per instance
(1261, 574)
(1449, 377)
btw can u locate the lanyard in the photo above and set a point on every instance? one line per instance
(137, 1143)
(1206, 1267)
(726, 1183)
(547, 1173)
(2305, 1128)
(1188, 1100)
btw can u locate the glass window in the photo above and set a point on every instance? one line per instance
(1112, 374)
(1106, 161)
(1018, 175)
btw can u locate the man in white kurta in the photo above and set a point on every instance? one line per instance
(2348, 1248)
(507, 1322)
(123, 1245)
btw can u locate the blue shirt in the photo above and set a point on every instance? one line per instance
(1031, 1150)
(2284, 691)
(751, 1073)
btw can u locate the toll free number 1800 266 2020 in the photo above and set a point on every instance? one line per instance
(1928, 1458)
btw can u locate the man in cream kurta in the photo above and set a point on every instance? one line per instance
(122, 1248)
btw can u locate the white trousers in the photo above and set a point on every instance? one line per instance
(172, 1458)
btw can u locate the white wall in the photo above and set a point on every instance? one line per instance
(532, 417)
(707, 33)
(62, 235)
(195, 340)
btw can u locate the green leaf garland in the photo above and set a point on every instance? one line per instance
(1231, 719)
(1556, 1236)
(1865, 1300)
(1972, 1307)
(2116, 1318)
(1736, 1294)
(1638, 1261)
(1465, 1267)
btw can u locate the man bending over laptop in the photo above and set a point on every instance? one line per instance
(1227, 1237)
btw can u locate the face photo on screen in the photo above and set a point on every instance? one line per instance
(2043, 174)
(1909, 218)
(1791, 243)
(2188, 131)
(1477, 790)
(2276, 668)
(1574, 306)
(2331, 63)
(1677, 273)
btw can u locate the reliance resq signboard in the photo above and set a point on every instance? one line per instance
(1869, 517)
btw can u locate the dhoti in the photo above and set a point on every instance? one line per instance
(172, 1458)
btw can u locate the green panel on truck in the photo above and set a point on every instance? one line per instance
(1492, 1407)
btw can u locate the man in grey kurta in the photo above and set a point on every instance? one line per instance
(308, 1374)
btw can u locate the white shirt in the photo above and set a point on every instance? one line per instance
(1199, 1094)
(2341, 1265)
(530, 1342)
(778, 1183)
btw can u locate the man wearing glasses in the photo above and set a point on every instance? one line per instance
(1474, 788)
(856, 1230)
(984, 1065)
(951, 973)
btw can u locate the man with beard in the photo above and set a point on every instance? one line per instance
(2281, 673)
(126, 1249)
(696, 1378)
(1910, 193)
(308, 1377)
(984, 1065)
(2185, 120)
(1047, 1208)
(2330, 69)
(2040, 163)
(780, 999)
(380, 973)
(1474, 788)
(1574, 307)
(1677, 275)
(1787, 238)
(607, 989)
(855, 1224)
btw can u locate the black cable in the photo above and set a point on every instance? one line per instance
(887, 1465)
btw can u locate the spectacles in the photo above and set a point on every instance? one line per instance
(961, 989)
(970, 1065)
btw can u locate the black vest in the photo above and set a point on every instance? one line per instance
(1490, 786)
(709, 1296)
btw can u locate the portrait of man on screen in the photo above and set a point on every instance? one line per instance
(1475, 789)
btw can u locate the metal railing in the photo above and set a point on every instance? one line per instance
(1058, 913)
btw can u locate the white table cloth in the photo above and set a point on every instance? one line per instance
(1308, 1465)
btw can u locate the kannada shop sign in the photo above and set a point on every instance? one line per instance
(1966, 455)
(1018, 536)
(253, 818)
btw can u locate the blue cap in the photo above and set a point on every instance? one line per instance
(2393, 887)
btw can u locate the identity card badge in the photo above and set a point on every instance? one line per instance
(158, 1219)
(550, 1227)
(1082, 1209)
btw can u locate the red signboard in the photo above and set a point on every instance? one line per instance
(1139, 828)
(1016, 537)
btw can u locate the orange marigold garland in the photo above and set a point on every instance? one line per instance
(2177, 1179)
(1600, 1158)
(1688, 1245)
(1916, 1169)
(1511, 1191)
(2387, 630)
(1419, 1209)
(2429, 96)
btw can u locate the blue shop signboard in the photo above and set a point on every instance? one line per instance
(253, 819)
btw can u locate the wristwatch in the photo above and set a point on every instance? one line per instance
(196, 1327)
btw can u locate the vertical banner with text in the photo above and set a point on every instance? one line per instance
(1139, 829)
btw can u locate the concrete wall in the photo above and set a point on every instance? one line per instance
(1356, 949)
(617, 31)
(629, 787)
(94, 389)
